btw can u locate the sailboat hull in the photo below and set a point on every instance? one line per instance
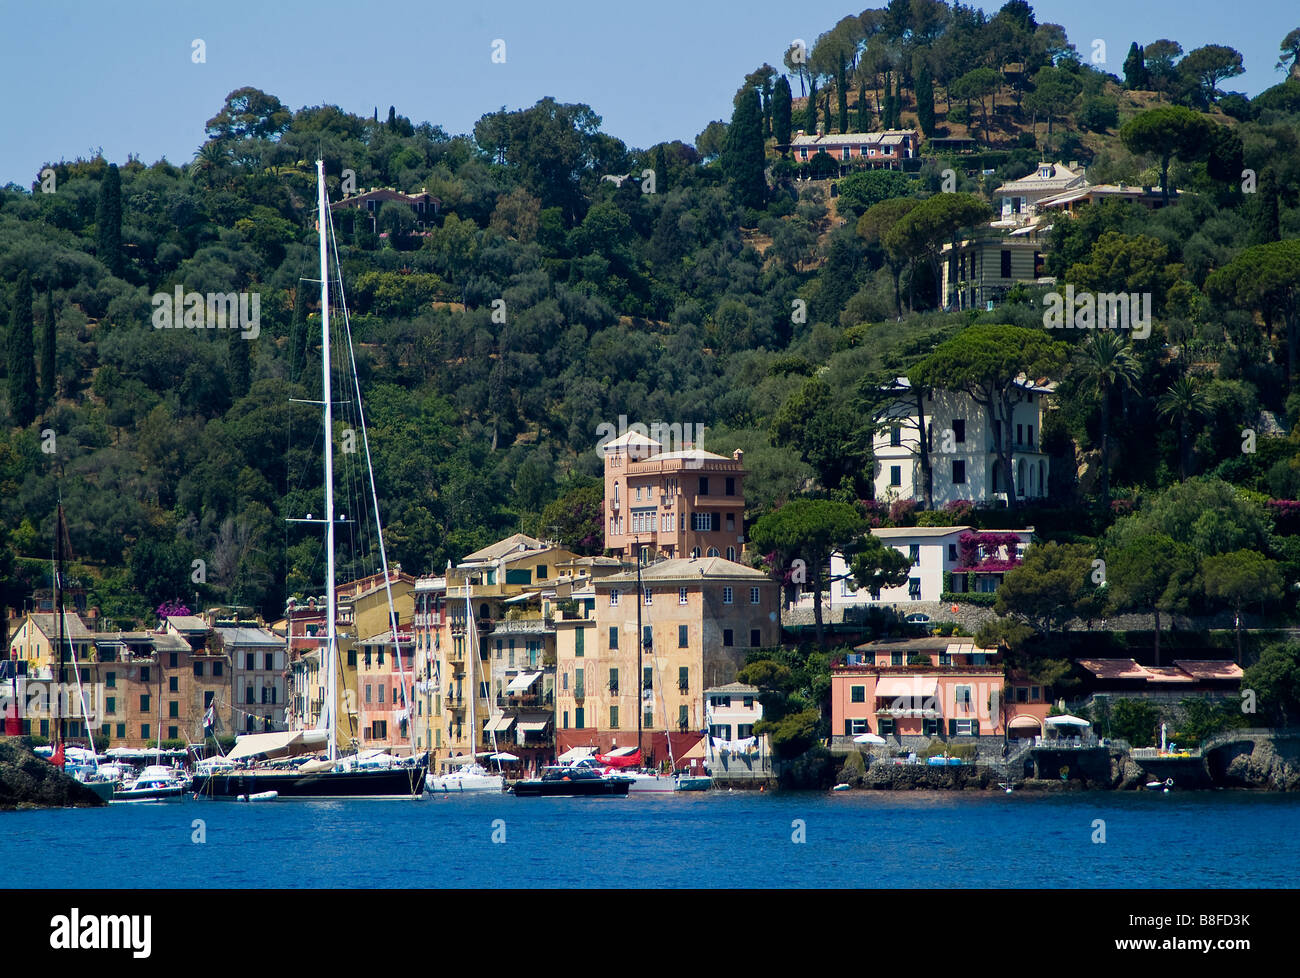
(401, 782)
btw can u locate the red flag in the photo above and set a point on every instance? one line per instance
(57, 757)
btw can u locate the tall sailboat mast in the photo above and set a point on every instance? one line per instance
(331, 599)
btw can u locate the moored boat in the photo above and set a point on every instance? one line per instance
(693, 782)
(155, 783)
(469, 777)
(573, 782)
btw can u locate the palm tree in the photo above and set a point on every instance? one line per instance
(1183, 402)
(211, 158)
(1105, 363)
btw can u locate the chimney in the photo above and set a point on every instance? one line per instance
(738, 455)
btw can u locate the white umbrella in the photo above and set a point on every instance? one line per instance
(868, 738)
(503, 756)
(1066, 721)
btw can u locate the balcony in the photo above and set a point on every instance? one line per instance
(525, 625)
(534, 701)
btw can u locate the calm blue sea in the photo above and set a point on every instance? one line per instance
(870, 840)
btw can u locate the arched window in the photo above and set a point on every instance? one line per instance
(713, 551)
(695, 552)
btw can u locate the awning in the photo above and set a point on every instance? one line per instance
(282, 744)
(1024, 723)
(534, 726)
(522, 682)
(907, 688)
(575, 754)
(1067, 721)
(500, 724)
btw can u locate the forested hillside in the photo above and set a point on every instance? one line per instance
(711, 282)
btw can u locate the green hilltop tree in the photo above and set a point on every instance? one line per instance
(238, 364)
(874, 227)
(1135, 69)
(22, 354)
(1275, 678)
(925, 228)
(810, 109)
(1210, 65)
(1290, 54)
(1104, 363)
(809, 530)
(987, 361)
(1167, 132)
(108, 222)
(743, 160)
(875, 565)
(1239, 578)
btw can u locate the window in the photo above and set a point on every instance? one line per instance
(963, 728)
(198, 669)
(958, 472)
(270, 660)
(647, 637)
(895, 475)
(853, 727)
(578, 715)
(144, 730)
(1034, 694)
(1020, 434)
(713, 551)
(171, 660)
(144, 702)
(755, 638)
(952, 551)
(730, 486)
(857, 694)
(727, 637)
(380, 729)
(754, 595)
(929, 726)
(352, 658)
(1006, 263)
(381, 693)
(121, 730)
(649, 596)
(173, 684)
(726, 595)
(895, 437)
(648, 719)
(613, 598)
(566, 719)
(731, 522)
(144, 674)
(683, 679)
(579, 643)
(683, 717)
(647, 678)
(613, 680)
(208, 696)
(914, 552)
(613, 718)
(249, 660)
(961, 696)
(578, 689)
(731, 553)
(110, 680)
(704, 485)
(218, 668)
(110, 704)
(173, 709)
(368, 693)
(542, 572)
(748, 702)
(959, 430)
(613, 636)
(895, 658)
(914, 588)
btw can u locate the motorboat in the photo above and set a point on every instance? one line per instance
(155, 783)
(693, 782)
(561, 780)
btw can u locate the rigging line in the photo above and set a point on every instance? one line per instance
(374, 495)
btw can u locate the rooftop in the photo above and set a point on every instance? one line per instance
(687, 570)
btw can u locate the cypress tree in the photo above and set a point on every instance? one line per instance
(238, 364)
(1265, 225)
(49, 350)
(810, 113)
(842, 97)
(108, 221)
(744, 160)
(864, 110)
(782, 121)
(392, 119)
(22, 354)
(1135, 68)
(659, 162)
(925, 101)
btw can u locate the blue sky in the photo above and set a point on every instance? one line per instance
(81, 77)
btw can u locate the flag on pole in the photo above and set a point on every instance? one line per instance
(210, 718)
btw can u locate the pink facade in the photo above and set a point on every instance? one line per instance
(879, 692)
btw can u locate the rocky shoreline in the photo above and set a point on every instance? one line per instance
(28, 781)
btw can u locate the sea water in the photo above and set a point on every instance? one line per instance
(714, 839)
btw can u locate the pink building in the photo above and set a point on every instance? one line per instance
(932, 688)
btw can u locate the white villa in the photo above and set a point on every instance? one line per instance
(962, 456)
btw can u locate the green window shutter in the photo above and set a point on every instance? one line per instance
(975, 728)
(580, 635)
(952, 728)
(681, 636)
(848, 728)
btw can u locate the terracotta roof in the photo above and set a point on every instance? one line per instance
(1210, 668)
(1114, 668)
(512, 543)
(687, 570)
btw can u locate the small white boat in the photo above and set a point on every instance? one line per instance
(154, 783)
(260, 796)
(842, 787)
(1164, 785)
(469, 777)
(643, 782)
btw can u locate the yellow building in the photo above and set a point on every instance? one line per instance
(698, 618)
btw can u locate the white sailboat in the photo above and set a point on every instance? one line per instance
(332, 776)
